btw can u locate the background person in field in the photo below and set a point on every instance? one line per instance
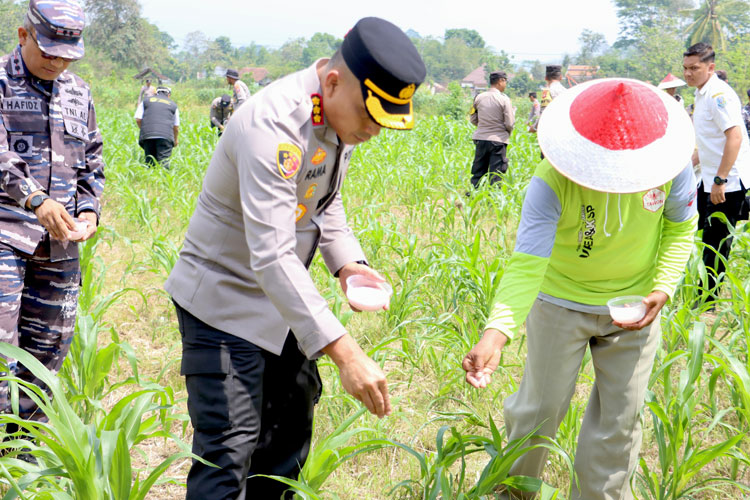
(158, 119)
(493, 115)
(610, 212)
(147, 90)
(723, 154)
(533, 112)
(51, 170)
(669, 84)
(221, 110)
(240, 92)
(251, 319)
(553, 88)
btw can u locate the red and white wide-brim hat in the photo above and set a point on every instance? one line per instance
(616, 135)
(670, 82)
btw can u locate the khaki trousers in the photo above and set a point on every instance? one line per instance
(610, 436)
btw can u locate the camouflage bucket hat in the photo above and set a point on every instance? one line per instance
(59, 27)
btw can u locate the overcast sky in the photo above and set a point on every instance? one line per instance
(539, 29)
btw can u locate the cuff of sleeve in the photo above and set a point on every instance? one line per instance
(26, 187)
(503, 328)
(88, 205)
(329, 329)
(338, 254)
(669, 290)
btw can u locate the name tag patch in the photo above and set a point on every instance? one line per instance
(22, 145)
(25, 104)
(75, 111)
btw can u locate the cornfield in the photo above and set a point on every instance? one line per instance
(118, 424)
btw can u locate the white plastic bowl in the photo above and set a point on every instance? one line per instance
(628, 309)
(80, 230)
(366, 294)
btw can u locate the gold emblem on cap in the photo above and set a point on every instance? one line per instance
(407, 91)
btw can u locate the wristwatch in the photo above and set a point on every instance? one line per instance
(36, 201)
(719, 181)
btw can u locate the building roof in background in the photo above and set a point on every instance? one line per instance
(578, 73)
(258, 74)
(146, 71)
(477, 78)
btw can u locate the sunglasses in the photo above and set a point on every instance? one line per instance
(48, 56)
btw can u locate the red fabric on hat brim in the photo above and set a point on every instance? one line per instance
(615, 171)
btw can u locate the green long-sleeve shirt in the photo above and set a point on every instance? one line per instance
(579, 248)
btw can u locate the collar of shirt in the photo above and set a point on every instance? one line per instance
(707, 86)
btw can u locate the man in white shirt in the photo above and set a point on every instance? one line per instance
(723, 153)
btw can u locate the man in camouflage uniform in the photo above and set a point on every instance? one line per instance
(221, 110)
(240, 92)
(51, 170)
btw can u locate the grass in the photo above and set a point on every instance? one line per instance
(444, 254)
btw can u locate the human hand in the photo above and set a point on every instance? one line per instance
(90, 218)
(654, 302)
(482, 360)
(717, 193)
(55, 219)
(353, 268)
(360, 376)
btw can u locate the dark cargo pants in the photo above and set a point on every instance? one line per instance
(489, 159)
(252, 412)
(716, 234)
(38, 300)
(158, 151)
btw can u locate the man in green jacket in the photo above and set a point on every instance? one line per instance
(611, 212)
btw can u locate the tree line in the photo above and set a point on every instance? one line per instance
(653, 35)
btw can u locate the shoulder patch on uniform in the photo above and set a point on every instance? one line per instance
(721, 101)
(317, 111)
(300, 212)
(288, 159)
(318, 157)
(654, 199)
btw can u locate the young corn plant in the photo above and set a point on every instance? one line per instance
(76, 460)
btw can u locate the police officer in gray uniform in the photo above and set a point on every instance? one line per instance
(251, 319)
(51, 170)
(221, 110)
(159, 120)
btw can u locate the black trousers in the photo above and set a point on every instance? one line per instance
(252, 412)
(157, 151)
(716, 233)
(489, 158)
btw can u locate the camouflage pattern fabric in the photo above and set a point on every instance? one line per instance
(38, 301)
(48, 141)
(59, 25)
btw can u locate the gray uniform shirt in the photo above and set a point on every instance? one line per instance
(493, 116)
(270, 197)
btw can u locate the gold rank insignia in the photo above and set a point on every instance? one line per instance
(311, 191)
(317, 111)
(318, 157)
(288, 159)
(407, 91)
(300, 212)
